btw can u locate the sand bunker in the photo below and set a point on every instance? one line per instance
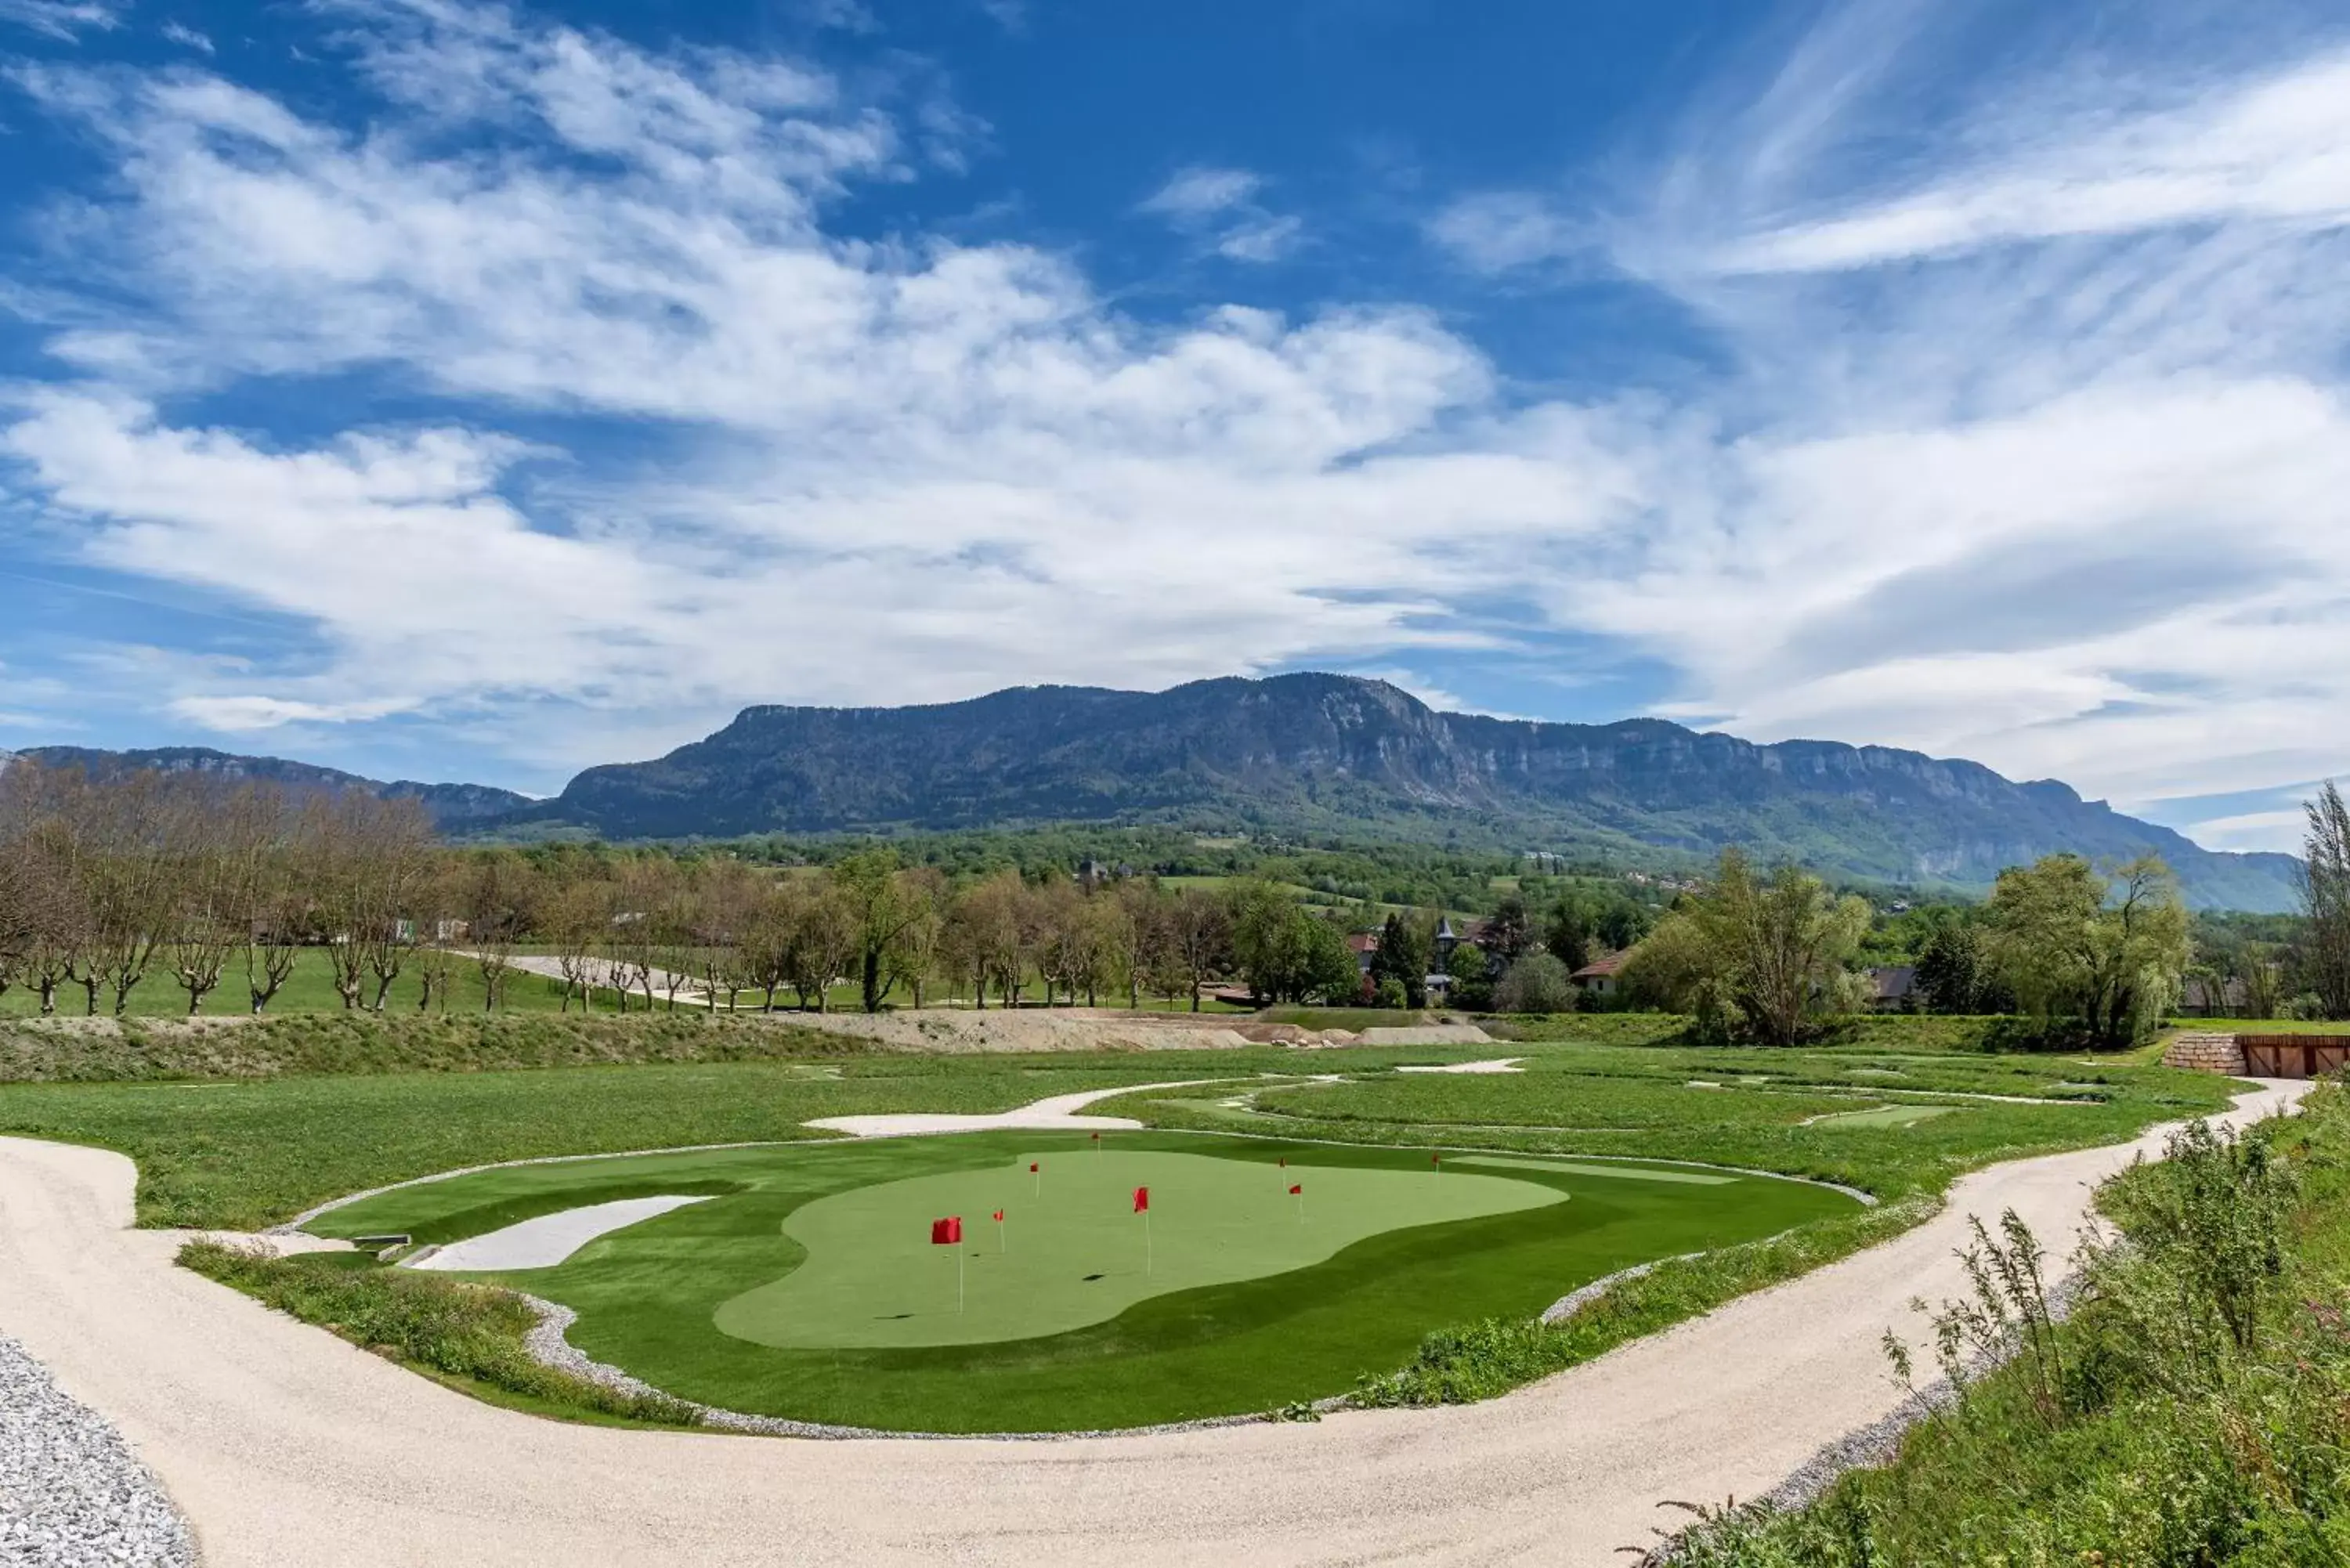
(1503, 1064)
(1058, 1113)
(549, 1239)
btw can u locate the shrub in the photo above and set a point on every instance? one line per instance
(2194, 1412)
(1537, 982)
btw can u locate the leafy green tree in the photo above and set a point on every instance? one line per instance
(1537, 982)
(1758, 957)
(1511, 930)
(1405, 956)
(2075, 945)
(1471, 970)
(2325, 901)
(1568, 936)
(884, 904)
(1328, 969)
(1285, 954)
(1953, 977)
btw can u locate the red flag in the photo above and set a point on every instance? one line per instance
(946, 1232)
(999, 1217)
(1097, 1138)
(1296, 1189)
(1141, 1198)
(1032, 1167)
(1284, 1162)
(1434, 1158)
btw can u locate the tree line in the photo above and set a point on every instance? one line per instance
(221, 888)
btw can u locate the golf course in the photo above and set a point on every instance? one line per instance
(1134, 1278)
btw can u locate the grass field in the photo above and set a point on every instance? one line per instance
(811, 1289)
(1850, 1115)
(1257, 1321)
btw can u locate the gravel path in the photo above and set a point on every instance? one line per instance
(70, 1494)
(285, 1445)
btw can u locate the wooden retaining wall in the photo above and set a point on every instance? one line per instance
(2259, 1055)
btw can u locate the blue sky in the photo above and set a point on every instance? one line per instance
(465, 391)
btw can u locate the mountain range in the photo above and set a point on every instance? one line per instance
(1325, 754)
(453, 808)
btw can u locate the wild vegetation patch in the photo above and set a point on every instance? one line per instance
(459, 1330)
(2193, 1411)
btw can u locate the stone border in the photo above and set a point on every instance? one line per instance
(72, 1494)
(2203, 1051)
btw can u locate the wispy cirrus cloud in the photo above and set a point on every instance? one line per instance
(1220, 206)
(64, 19)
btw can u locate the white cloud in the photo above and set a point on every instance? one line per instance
(1203, 192)
(1220, 206)
(1499, 230)
(1267, 240)
(2273, 151)
(64, 19)
(2063, 498)
(2278, 831)
(179, 32)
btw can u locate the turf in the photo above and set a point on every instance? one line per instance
(873, 1277)
(651, 1298)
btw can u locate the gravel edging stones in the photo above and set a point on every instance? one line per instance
(71, 1493)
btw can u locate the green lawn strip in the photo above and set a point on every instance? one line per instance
(310, 988)
(1884, 1116)
(246, 1155)
(243, 1154)
(647, 1295)
(1481, 1358)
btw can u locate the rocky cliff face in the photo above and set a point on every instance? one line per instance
(1328, 751)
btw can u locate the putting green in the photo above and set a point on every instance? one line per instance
(808, 1287)
(1072, 1252)
(1885, 1116)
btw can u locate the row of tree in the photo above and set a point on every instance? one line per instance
(1767, 956)
(105, 885)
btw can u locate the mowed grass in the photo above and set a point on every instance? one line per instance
(241, 1156)
(1787, 1111)
(1287, 1319)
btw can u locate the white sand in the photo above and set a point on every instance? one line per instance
(548, 1239)
(286, 1445)
(1058, 1113)
(1504, 1064)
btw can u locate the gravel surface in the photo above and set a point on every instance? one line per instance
(70, 1494)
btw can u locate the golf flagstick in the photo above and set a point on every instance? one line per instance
(1297, 1190)
(1000, 1245)
(948, 1232)
(1142, 1207)
(1037, 1169)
